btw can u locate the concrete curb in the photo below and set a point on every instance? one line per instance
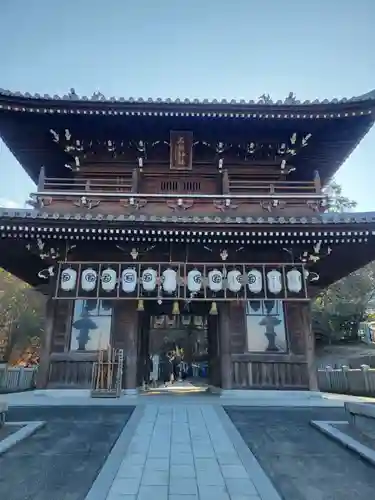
(103, 482)
(26, 431)
(326, 427)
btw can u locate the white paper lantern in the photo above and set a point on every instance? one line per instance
(89, 278)
(274, 281)
(149, 276)
(294, 280)
(234, 280)
(254, 281)
(215, 280)
(129, 280)
(68, 280)
(194, 280)
(169, 280)
(108, 279)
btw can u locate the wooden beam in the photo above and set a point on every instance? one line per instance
(131, 345)
(45, 351)
(224, 345)
(305, 315)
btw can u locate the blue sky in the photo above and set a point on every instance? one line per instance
(195, 48)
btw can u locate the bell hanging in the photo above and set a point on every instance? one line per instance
(213, 310)
(175, 308)
(141, 305)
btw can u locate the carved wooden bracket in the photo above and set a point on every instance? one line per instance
(316, 205)
(224, 205)
(133, 203)
(40, 201)
(84, 202)
(180, 204)
(270, 205)
(43, 250)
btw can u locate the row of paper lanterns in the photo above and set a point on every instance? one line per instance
(169, 280)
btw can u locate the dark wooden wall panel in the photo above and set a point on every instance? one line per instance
(296, 335)
(237, 322)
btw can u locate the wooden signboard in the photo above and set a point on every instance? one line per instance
(181, 150)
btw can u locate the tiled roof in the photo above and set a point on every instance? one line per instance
(7, 215)
(265, 99)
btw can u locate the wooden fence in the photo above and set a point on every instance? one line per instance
(345, 380)
(14, 379)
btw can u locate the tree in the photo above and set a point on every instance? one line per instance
(338, 310)
(21, 316)
(337, 201)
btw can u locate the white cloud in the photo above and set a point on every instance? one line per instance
(5, 203)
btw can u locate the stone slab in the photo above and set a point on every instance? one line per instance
(362, 417)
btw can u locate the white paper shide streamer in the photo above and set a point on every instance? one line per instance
(89, 278)
(254, 281)
(129, 280)
(68, 280)
(108, 279)
(215, 280)
(169, 280)
(294, 281)
(234, 281)
(194, 281)
(274, 281)
(148, 280)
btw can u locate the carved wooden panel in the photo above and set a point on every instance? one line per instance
(179, 184)
(70, 373)
(269, 375)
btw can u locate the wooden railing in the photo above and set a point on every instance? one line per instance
(277, 187)
(131, 184)
(344, 380)
(17, 378)
(116, 185)
(242, 184)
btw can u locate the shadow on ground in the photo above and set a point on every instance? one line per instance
(303, 463)
(61, 460)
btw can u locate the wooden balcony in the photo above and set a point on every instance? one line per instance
(179, 193)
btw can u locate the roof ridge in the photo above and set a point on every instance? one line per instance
(263, 100)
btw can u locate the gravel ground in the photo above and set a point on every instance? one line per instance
(61, 460)
(303, 463)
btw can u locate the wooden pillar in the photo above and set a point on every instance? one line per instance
(130, 334)
(45, 351)
(225, 345)
(214, 371)
(305, 312)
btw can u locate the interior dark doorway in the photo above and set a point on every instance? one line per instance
(180, 351)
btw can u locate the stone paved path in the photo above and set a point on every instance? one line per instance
(182, 453)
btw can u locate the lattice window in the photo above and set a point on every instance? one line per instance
(180, 186)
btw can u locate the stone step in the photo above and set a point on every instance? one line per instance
(362, 417)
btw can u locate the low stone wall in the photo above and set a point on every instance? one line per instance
(14, 379)
(345, 380)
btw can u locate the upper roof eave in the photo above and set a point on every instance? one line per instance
(72, 101)
(345, 219)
